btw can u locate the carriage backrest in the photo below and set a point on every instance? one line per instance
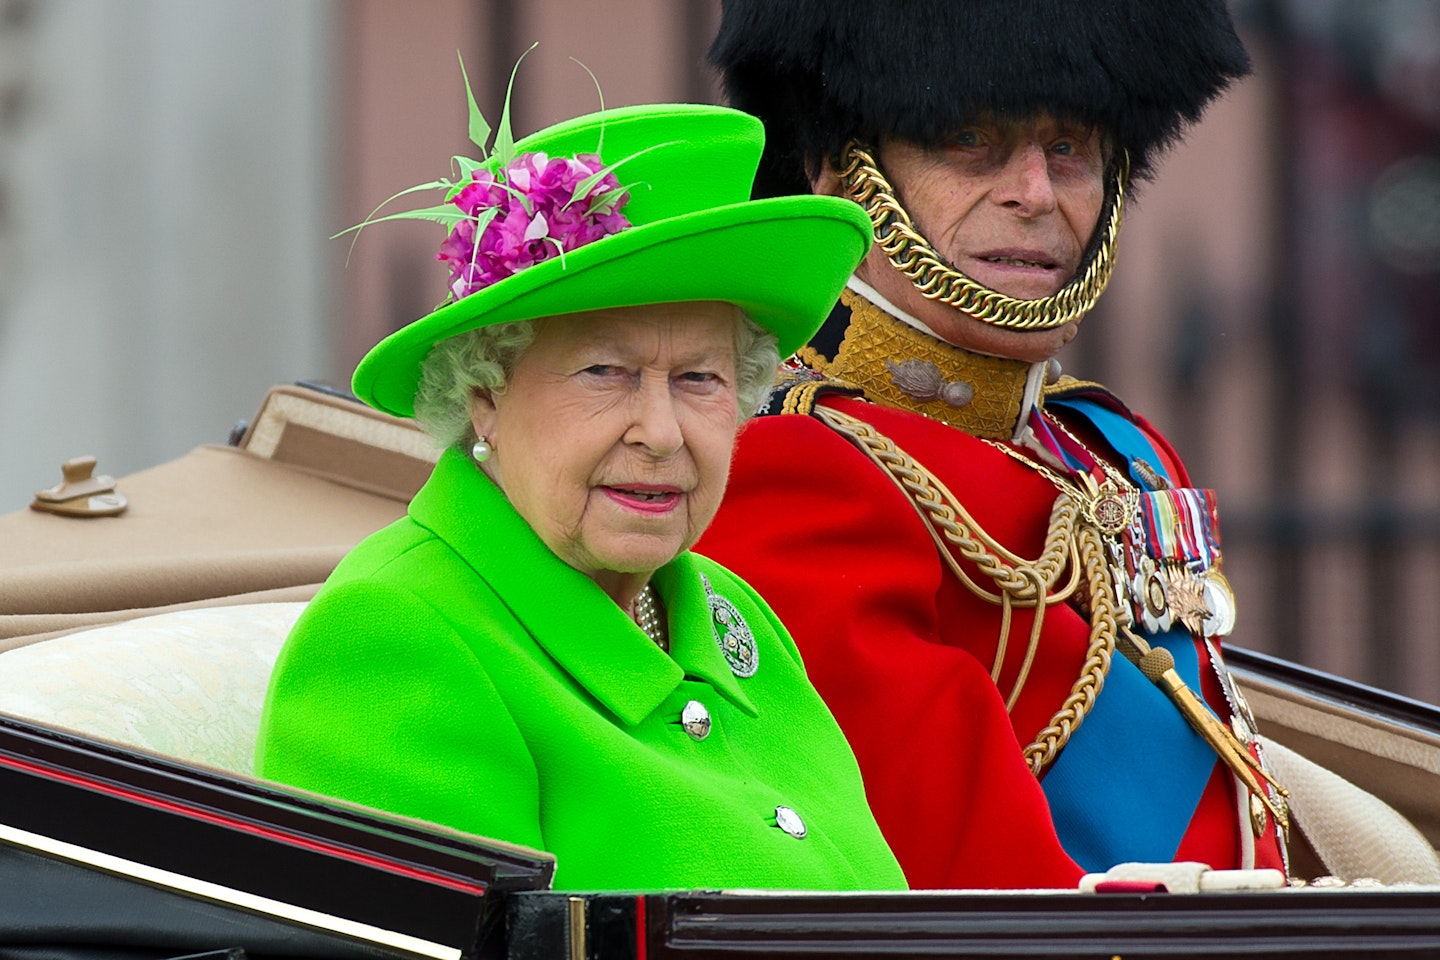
(188, 684)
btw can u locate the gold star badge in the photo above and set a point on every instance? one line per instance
(1187, 599)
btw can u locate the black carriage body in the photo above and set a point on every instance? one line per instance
(106, 852)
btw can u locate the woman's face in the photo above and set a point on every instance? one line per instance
(614, 434)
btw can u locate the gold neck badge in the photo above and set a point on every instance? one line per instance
(899, 366)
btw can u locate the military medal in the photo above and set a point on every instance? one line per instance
(1220, 602)
(1187, 598)
(1107, 507)
(1152, 597)
(1148, 475)
(1242, 720)
(1163, 548)
(1174, 559)
(732, 633)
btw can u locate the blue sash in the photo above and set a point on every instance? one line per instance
(1126, 786)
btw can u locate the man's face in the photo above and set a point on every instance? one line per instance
(1012, 205)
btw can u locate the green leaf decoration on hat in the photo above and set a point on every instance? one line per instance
(479, 127)
(507, 212)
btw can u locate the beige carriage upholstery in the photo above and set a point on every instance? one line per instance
(1351, 756)
(263, 521)
(187, 684)
(158, 628)
(1354, 833)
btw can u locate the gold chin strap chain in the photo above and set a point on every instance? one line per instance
(1070, 542)
(911, 254)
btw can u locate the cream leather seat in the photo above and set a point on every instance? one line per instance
(187, 684)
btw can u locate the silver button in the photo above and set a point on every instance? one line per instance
(789, 821)
(696, 720)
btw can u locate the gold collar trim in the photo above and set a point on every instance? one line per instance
(899, 366)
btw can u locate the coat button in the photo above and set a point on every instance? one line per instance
(789, 821)
(696, 720)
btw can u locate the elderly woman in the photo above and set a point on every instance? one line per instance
(533, 655)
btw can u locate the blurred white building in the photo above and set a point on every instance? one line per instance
(163, 168)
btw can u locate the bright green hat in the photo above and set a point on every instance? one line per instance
(694, 234)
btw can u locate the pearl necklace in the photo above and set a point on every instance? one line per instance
(647, 617)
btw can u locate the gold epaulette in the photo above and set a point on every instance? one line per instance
(1068, 386)
(802, 388)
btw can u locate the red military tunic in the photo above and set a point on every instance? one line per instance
(901, 649)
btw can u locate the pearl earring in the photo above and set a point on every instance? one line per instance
(481, 451)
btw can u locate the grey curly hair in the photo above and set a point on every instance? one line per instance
(484, 359)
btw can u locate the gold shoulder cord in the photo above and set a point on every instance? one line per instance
(1070, 543)
(1158, 666)
(1075, 539)
(801, 399)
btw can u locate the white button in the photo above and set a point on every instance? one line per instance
(789, 821)
(696, 720)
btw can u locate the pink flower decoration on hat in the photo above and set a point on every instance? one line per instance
(525, 209)
(531, 210)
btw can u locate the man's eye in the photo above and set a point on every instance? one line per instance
(966, 138)
(1064, 148)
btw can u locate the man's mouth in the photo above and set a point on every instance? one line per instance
(1018, 262)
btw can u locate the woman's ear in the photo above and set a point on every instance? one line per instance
(482, 414)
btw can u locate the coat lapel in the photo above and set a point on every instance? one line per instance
(566, 613)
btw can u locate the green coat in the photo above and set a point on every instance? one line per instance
(455, 670)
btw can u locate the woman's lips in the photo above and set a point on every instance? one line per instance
(644, 498)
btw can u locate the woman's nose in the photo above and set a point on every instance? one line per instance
(654, 424)
(1024, 182)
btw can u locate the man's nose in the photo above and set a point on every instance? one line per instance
(1024, 182)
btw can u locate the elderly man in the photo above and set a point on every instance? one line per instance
(1002, 580)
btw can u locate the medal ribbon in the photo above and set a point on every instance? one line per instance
(1064, 447)
(1182, 526)
(1120, 433)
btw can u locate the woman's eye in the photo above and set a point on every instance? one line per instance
(699, 378)
(601, 370)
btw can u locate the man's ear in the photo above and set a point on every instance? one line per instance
(827, 183)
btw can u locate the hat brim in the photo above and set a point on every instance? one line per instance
(783, 261)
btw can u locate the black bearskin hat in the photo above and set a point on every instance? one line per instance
(821, 72)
